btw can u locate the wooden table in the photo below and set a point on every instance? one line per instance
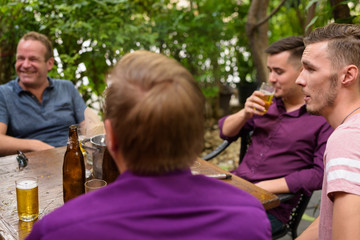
(47, 167)
(267, 199)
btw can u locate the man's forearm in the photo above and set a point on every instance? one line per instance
(312, 232)
(306, 180)
(10, 145)
(278, 185)
(234, 123)
(346, 216)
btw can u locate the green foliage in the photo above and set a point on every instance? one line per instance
(206, 36)
(16, 18)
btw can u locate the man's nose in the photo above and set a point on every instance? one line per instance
(26, 63)
(272, 77)
(300, 80)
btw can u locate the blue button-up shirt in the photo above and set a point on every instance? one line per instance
(47, 121)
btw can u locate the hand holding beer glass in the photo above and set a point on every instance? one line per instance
(268, 90)
(27, 198)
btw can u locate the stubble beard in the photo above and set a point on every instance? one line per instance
(328, 96)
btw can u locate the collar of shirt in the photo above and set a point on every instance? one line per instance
(280, 109)
(19, 90)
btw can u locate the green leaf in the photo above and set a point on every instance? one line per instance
(311, 22)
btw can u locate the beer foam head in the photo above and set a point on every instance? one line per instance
(266, 92)
(26, 184)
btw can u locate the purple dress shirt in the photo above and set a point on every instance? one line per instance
(177, 205)
(285, 144)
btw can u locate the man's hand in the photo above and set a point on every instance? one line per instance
(255, 105)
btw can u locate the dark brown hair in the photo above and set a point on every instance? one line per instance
(295, 45)
(157, 112)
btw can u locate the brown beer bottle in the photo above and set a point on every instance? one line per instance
(109, 168)
(73, 167)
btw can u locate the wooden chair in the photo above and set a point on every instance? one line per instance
(296, 214)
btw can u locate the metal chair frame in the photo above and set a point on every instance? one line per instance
(296, 214)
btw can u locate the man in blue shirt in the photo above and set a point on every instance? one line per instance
(35, 110)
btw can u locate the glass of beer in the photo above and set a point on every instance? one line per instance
(268, 89)
(81, 136)
(27, 198)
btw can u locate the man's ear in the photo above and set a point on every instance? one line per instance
(50, 63)
(350, 74)
(113, 146)
(111, 142)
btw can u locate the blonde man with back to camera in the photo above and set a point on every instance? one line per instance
(154, 121)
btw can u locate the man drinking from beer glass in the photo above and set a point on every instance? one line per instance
(287, 142)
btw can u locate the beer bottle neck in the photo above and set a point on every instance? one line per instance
(73, 137)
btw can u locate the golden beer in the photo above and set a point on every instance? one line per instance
(267, 99)
(268, 90)
(24, 228)
(27, 199)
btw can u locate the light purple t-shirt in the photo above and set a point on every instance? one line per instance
(285, 144)
(173, 206)
(342, 170)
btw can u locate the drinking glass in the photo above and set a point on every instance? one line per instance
(82, 134)
(94, 184)
(268, 89)
(27, 197)
(81, 131)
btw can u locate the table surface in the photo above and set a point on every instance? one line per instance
(47, 167)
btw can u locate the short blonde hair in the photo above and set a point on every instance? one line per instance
(157, 112)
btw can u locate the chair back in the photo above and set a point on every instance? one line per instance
(297, 212)
(245, 142)
(295, 218)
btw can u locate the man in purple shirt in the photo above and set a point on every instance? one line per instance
(287, 142)
(154, 142)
